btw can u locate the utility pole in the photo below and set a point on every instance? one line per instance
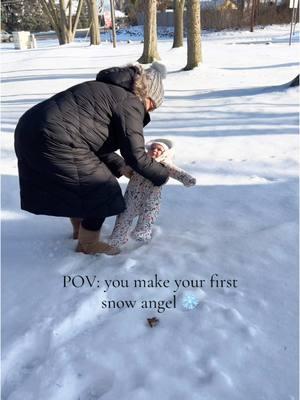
(294, 5)
(113, 23)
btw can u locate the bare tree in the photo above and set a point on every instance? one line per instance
(150, 51)
(113, 22)
(120, 4)
(254, 12)
(62, 19)
(194, 54)
(94, 22)
(178, 23)
(241, 10)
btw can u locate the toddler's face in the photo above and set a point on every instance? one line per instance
(156, 150)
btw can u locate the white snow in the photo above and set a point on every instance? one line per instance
(235, 126)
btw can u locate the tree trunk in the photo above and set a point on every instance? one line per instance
(94, 23)
(150, 52)
(65, 32)
(254, 11)
(194, 54)
(241, 9)
(51, 15)
(77, 16)
(61, 23)
(178, 23)
(70, 18)
(241, 6)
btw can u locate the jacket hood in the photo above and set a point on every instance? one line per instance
(119, 76)
(123, 77)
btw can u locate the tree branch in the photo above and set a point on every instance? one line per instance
(53, 11)
(78, 12)
(46, 8)
(63, 16)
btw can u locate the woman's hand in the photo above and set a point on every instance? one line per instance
(126, 171)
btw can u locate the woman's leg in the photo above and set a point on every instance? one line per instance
(76, 225)
(92, 224)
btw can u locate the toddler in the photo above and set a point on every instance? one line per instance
(143, 199)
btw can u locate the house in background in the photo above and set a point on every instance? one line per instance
(166, 18)
(219, 4)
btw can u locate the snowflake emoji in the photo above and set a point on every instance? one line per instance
(189, 301)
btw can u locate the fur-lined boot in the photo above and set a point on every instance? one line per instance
(88, 243)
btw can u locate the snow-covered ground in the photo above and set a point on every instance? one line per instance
(235, 126)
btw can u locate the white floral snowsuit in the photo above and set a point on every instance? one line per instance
(143, 199)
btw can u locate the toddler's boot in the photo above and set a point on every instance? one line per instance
(89, 243)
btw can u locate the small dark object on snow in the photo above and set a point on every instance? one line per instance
(294, 82)
(153, 321)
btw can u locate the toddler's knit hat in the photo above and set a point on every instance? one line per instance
(165, 143)
(155, 74)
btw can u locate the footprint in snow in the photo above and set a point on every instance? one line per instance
(249, 331)
(25, 356)
(260, 179)
(232, 314)
(234, 317)
(74, 263)
(209, 371)
(82, 318)
(98, 386)
(133, 245)
(205, 377)
(157, 231)
(232, 293)
(129, 264)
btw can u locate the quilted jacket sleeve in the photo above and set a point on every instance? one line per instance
(113, 161)
(129, 117)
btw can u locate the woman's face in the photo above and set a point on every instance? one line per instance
(156, 150)
(150, 105)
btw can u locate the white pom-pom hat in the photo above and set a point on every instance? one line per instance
(155, 74)
(159, 67)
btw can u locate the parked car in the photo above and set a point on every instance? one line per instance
(6, 37)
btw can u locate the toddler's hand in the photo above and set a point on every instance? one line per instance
(126, 171)
(190, 182)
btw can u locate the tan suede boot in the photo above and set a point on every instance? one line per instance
(88, 243)
(76, 224)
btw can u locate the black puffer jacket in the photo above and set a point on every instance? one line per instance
(65, 148)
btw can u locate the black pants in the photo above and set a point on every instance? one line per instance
(92, 224)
